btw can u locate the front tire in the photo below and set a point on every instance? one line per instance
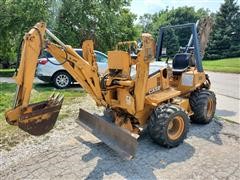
(168, 125)
(62, 80)
(203, 104)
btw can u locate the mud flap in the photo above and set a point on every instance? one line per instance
(115, 137)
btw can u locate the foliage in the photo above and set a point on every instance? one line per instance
(17, 16)
(173, 38)
(170, 42)
(225, 38)
(104, 21)
(110, 21)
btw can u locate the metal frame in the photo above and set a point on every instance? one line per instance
(193, 39)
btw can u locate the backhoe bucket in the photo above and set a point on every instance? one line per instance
(115, 137)
(38, 118)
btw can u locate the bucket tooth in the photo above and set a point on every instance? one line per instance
(51, 96)
(56, 96)
(60, 99)
(117, 138)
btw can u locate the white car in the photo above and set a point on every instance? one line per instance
(56, 74)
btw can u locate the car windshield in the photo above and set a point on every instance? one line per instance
(101, 58)
(79, 52)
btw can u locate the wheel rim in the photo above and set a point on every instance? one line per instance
(209, 108)
(175, 128)
(62, 80)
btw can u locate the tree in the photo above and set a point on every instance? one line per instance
(170, 42)
(146, 22)
(16, 17)
(183, 15)
(104, 21)
(173, 38)
(54, 7)
(225, 38)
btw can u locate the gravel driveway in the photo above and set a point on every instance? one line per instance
(69, 152)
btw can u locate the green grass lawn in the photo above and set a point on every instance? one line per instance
(39, 93)
(231, 65)
(6, 72)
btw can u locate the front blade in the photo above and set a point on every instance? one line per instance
(115, 137)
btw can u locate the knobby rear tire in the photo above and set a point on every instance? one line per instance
(203, 105)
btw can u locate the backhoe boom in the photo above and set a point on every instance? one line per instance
(82, 70)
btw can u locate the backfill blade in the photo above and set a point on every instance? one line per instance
(115, 137)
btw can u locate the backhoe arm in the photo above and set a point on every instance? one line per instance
(39, 118)
(31, 49)
(82, 71)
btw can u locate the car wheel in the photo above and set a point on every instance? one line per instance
(62, 80)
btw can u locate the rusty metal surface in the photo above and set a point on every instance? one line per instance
(115, 137)
(40, 118)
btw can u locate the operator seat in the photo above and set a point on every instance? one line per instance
(181, 62)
